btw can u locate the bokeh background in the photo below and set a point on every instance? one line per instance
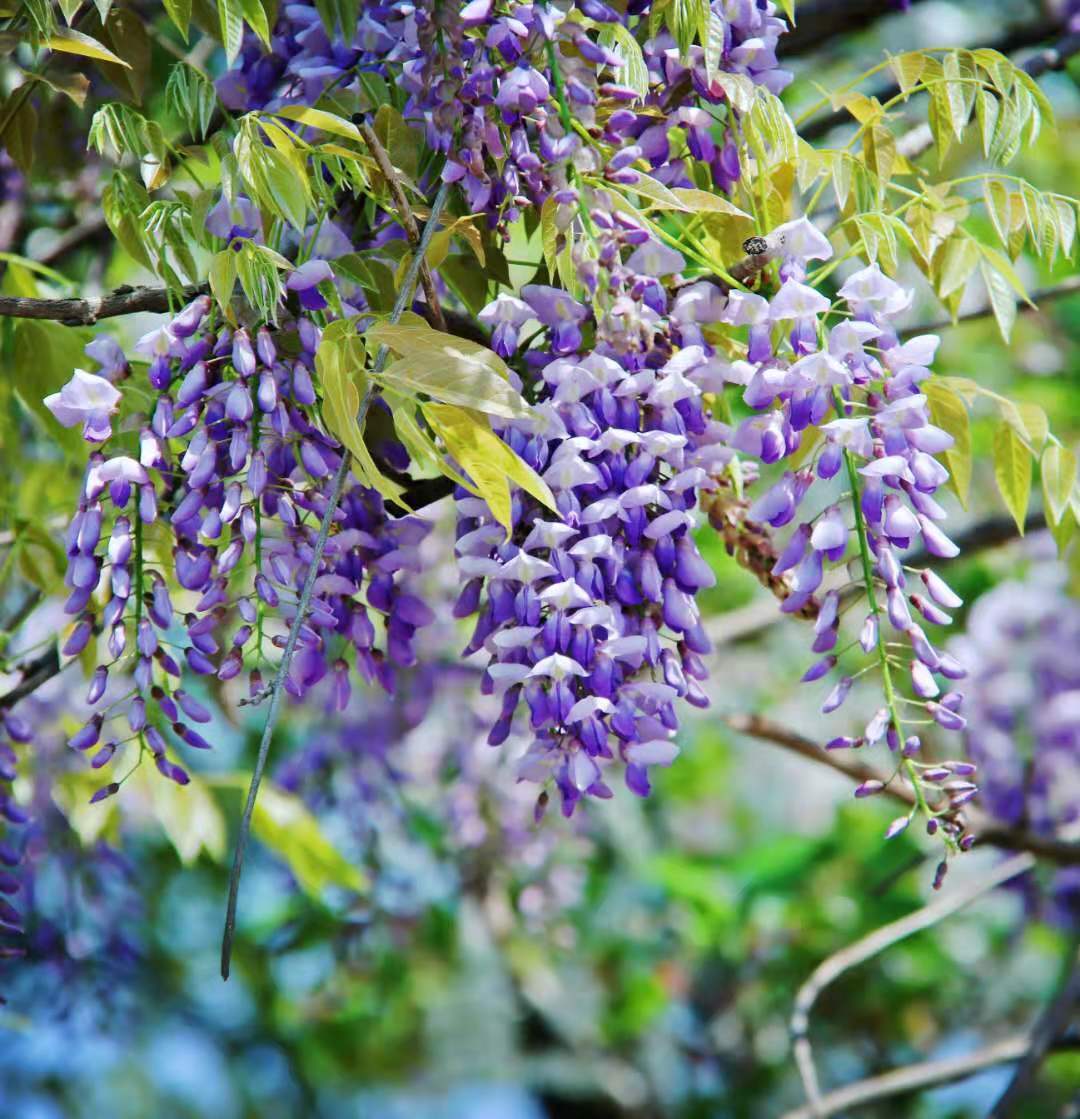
(413, 944)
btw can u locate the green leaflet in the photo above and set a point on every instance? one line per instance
(69, 41)
(339, 364)
(488, 461)
(448, 369)
(949, 412)
(287, 827)
(1058, 469)
(319, 118)
(1012, 471)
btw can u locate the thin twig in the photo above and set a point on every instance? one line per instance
(404, 298)
(871, 945)
(1062, 851)
(916, 1077)
(71, 239)
(818, 22)
(1043, 295)
(405, 216)
(1051, 1025)
(36, 673)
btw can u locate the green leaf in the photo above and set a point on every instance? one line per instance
(285, 825)
(231, 17)
(486, 459)
(339, 363)
(402, 143)
(908, 69)
(18, 136)
(44, 357)
(1012, 471)
(705, 202)
(1058, 469)
(189, 816)
(987, 108)
(634, 73)
(1027, 420)
(179, 11)
(1001, 265)
(658, 194)
(996, 198)
(1002, 300)
(70, 41)
(714, 45)
(255, 14)
(319, 118)
(959, 259)
(949, 412)
(223, 278)
(448, 368)
(549, 234)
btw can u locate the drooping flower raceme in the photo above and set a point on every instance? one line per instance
(883, 448)
(225, 498)
(589, 616)
(494, 87)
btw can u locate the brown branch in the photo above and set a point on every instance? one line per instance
(35, 673)
(72, 239)
(750, 544)
(989, 834)
(405, 216)
(817, 23)
(751, 620)
(1068, 287)
(124, 300)
(916, 1077)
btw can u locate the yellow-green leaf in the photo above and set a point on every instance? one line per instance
(70, 41)
(1058, 468)
(319, 118)
(189, 816)
(223, 278)
(179, 11)
(339, 363)
(704, 202)
(948, 411)
(448, 368)
(490, 464)
(1002, 301)
(1012, 471)
(285, 825)
(658, 194)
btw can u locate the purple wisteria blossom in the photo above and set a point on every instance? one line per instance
(1023, 709)
(233, 470)
(858, 385)
(589, 615)
(480, 80)
(86, 399)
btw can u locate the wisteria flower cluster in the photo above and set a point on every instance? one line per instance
(591, 618)
(522, 97)
(1023, 708)
(226, 493)
(882, 446)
